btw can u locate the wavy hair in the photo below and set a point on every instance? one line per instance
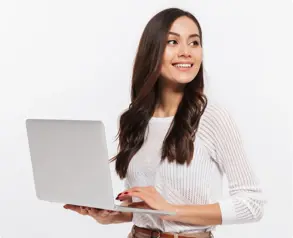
(178, 144)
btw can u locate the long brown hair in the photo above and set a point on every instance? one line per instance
(178, 144)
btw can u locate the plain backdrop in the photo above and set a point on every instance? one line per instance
(73, 60)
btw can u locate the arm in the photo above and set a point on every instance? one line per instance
(123, 216)
(245, 203)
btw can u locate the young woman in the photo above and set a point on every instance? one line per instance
(175, 145)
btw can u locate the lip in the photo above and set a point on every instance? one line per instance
(183, 69)
(183, 62)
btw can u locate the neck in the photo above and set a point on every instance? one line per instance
(168, 101)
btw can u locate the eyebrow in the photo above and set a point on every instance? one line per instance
(176, 34)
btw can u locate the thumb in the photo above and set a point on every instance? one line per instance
(141, 204)
(167, 217)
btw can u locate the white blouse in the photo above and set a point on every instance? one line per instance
(218, 151)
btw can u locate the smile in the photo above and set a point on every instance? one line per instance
(183, 67)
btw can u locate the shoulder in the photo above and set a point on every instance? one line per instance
(216, 126)
(215, 116)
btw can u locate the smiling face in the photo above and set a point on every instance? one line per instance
(183, 53)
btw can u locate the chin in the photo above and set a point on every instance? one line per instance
(184, 80)
(178, 79)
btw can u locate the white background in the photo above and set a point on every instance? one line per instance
(73, 59)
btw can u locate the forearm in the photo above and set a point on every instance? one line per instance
(200, 215)
(122, 218)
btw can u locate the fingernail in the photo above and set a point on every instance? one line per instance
(125, 193)
(118, 195)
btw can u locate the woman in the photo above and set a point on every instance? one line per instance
(175, 145)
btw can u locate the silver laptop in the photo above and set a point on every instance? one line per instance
(71, 165)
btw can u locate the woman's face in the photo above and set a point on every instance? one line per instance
(183, 53)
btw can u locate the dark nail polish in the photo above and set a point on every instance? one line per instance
(125, 193)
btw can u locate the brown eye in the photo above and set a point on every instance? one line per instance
(174, 41)
(195, 42)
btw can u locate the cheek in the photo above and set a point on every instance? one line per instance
(197, 55)
(165, 70)
(167, 61)
(167, 58)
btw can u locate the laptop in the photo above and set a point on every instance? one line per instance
(70, 164)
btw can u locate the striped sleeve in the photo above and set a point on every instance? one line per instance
(126, 184)
(245, 203)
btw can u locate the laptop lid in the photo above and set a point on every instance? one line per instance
(70, 162)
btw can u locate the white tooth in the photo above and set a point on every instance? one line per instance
(183, 65)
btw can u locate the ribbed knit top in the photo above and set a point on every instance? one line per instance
(219, 152)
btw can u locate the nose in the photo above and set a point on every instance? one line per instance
(184, 51)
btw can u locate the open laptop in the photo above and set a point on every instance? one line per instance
(71, 165)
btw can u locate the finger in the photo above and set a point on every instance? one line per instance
(148, 189)
(141, 195)
(94, 211)
(133, 189)
(124, 197)
(72, 207)
(113, 213)
(83, 211)
(138, 205)
(134, 193)
(168, 218)
(104, 213)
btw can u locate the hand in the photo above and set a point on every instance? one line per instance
(151, 199)
(101, 216)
